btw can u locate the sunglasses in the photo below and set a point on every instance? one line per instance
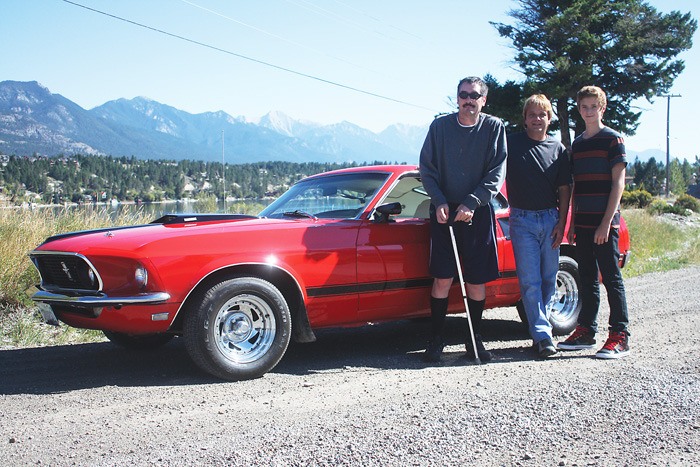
(470, 95)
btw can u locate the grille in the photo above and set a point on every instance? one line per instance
(65, 272)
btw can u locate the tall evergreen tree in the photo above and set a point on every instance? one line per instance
(626, 47)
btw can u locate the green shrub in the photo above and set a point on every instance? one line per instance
(688, 202)
(659, 206)
(205, 203)
(636, 198)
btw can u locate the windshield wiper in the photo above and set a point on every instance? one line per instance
(298, 213)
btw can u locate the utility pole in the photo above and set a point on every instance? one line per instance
(223, 168)
(668, 139)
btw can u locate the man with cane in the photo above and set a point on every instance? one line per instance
(462, 166)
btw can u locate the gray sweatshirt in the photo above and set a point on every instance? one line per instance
(463, 165)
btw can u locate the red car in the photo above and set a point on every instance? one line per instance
(343, 248)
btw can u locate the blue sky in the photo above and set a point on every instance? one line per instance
(411, 53)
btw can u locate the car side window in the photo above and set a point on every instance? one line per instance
(499, 202)
(330, 197)
(415, 202)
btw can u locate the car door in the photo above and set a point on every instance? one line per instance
(392, 257)
(504, 291)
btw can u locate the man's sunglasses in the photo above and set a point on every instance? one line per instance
(471, 95)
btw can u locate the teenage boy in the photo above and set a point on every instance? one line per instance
(598, 163)
(538, 180)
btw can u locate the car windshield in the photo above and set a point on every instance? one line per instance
(342, 196)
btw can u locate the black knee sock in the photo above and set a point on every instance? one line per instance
(476, 311)
(438, 311)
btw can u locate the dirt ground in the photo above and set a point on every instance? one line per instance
(364, 397)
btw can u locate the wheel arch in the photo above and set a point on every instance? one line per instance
(568, 250)
(280, 278)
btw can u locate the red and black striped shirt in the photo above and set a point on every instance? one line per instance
(592, 160)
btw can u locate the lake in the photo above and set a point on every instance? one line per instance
(156, 210)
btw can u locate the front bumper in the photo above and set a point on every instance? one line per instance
(100, 299)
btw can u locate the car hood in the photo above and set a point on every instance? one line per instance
(134, 238)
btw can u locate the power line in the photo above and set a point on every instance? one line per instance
(378, 20)
(329, 14)
(251, 59)
(276, 36)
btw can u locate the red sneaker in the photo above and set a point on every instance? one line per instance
(617, 346)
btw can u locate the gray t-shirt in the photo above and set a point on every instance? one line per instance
(463, 165)
(536, 170)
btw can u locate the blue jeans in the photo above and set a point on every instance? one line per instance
(604, 258)
(536, 264)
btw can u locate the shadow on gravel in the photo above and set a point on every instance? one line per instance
(48, 370)
(396, 345)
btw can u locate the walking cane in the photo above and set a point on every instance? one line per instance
(464, 291)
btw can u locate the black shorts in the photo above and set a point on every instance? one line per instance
(476, 244)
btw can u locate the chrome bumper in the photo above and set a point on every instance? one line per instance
(99, 300)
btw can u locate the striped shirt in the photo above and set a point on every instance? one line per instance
(592, 160)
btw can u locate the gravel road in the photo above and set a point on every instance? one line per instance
(364, 397)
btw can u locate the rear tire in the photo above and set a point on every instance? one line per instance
(563, 315)
(567, 306)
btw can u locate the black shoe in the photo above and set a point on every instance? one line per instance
(545, 348)
(582, 338)
(434, 351)
(484, 355)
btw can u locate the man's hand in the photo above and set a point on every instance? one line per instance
(601, 234)
(464, 214)
(557, 235)
(571, 236)
(442, 213)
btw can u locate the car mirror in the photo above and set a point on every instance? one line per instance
(382, 213)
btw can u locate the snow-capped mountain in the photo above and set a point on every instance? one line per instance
(34, 120)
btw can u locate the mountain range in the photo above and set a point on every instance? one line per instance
(33, 120)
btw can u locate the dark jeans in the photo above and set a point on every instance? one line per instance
(604, 258)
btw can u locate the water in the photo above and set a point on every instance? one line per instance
(156, 210)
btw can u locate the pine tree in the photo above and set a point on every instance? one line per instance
(626, 47)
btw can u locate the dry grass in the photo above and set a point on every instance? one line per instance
(661, 243)
(22, 327)
(21, 230)
(658, 244)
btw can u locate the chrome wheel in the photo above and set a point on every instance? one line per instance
(245, 328)
(566, 305)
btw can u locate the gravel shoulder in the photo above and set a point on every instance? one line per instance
(364, 397)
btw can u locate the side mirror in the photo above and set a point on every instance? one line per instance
(382, 213)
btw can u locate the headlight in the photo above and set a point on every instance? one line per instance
(141, 276)
(92, 277)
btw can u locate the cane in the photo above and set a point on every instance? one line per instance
(464, 291)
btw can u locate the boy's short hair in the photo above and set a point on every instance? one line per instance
(538, 100)
(592, 91)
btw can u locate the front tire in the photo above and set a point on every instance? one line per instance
(239, 330)
(564, 311)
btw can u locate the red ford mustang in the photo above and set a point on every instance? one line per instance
(343, 248)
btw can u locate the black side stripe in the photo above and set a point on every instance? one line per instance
(368, 287)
